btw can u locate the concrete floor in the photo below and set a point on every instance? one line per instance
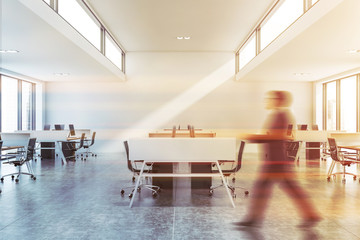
(82, 200)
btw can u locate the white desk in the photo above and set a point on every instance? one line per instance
(175, 150)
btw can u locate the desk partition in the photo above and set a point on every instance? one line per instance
(182, 150)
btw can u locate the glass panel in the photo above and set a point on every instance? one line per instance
(74, 14)
(319, 105)
(282, 17)
(112, 51)
(331, 106)
(9, 104)
(348, 104)
(248, 52)
(26, 106)
(39, 106)
(313, 2)
(47, 1)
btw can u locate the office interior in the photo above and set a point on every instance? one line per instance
(181, 64)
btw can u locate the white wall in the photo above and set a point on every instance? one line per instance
(166, 89)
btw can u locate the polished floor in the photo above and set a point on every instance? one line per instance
(82, 200)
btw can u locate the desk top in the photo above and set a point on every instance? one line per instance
(5, 148)
(353, 147)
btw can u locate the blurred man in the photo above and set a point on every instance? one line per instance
(276, 168)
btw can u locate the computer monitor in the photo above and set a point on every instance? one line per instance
(59, 126)
(72, 129)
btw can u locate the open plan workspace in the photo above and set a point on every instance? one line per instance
(182, 119)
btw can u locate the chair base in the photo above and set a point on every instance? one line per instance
(155, 189)
(232, 189)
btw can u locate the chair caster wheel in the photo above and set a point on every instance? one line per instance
(130, 195)
(343, 181)
(159, 190)
(34, 178)
(133, 179)
(122, 191)
(234, 196)
(2, 179)
(328, 179)
(12, 177)
(139, 189)
(17, 180)
(354, 177)
(233, 180)
(154, 194)
(246, 192)
(211, 192)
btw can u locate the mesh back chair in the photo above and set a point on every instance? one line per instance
(155, 189)
(292, 150)
(4, 157)
(20, 158)
(72, 130)
(344, 158)
(71, 147)
(228, 172)
(315, 127)
(87, 144)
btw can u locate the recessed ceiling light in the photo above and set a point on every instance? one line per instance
(187, 38)
(179, 38)
(301, 74)
(9, 51)
(61, 74)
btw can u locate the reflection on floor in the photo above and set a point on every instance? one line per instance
(82, 201)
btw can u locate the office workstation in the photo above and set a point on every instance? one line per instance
(159, 97)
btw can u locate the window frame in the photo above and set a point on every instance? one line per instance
(19, 103)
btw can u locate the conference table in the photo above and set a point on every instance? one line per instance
(182, 150)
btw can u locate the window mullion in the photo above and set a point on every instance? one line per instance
(19, 105)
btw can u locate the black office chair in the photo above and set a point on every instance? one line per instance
(72, 130)
(315, 127)
(228, 172)
(292, 150)
(155, 189)
(47, 127)
(71, 147)
(342, 157)
(4, 157)
(87, 144)
(20, 158)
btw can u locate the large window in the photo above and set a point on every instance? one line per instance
(26, 105)
(79, 15)
(112, 52)
(280, 19)
(341, 106)
(72, 12)
(331, 106)
(348, 104)
(248, 51)
(9, 104)
(17, 104)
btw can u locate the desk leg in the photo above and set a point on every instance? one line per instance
(225, 185)
(61, 154)
(137, 184)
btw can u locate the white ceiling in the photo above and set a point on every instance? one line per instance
(153, 25)
(48, 45)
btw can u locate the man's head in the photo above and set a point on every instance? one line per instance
(276, 99)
